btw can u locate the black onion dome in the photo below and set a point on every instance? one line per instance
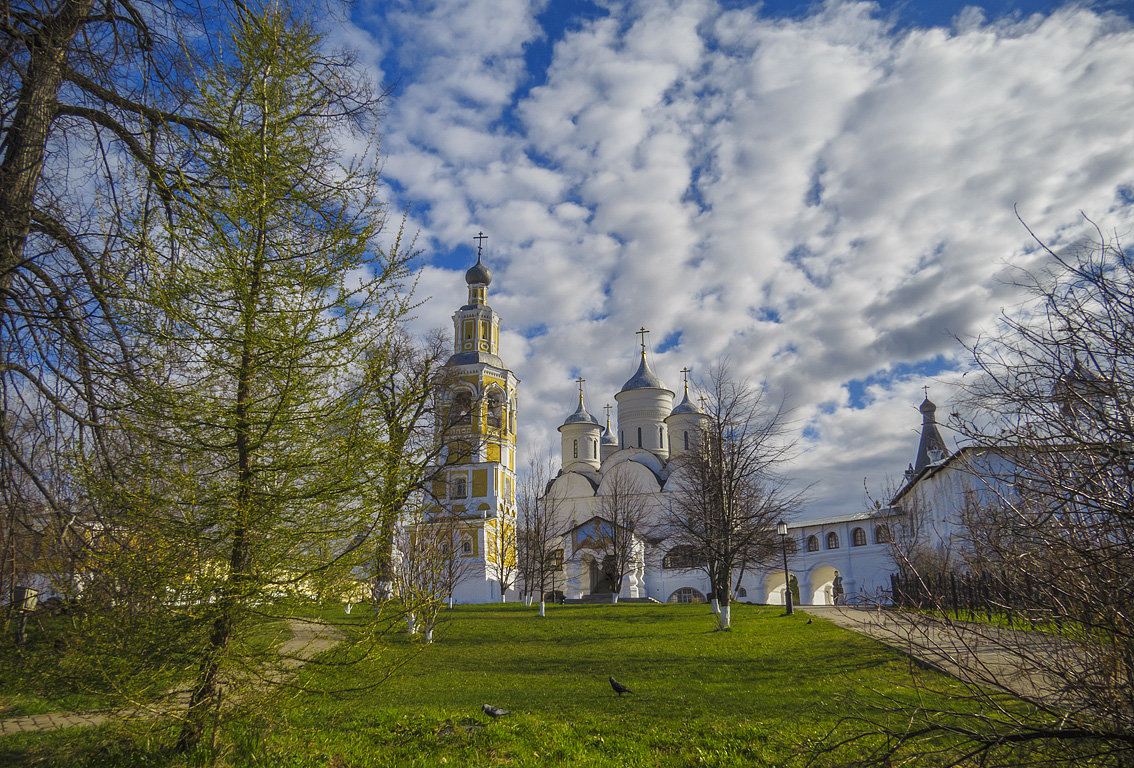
(478, 273)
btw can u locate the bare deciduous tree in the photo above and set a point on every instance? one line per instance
(626, 519)
(92, 95)
(429, 565)
(539, 534)
(404, 380)
(1054, 529)
(501, 558)
(729, 493)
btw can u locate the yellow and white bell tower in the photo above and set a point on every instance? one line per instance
(478, 481)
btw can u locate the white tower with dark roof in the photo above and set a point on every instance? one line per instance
(643, 405)
(684, 423)
(579, 438)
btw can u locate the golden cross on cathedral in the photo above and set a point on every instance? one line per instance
(607, 409)
(480, 238)
(642, 332)
(685, 376)
(580, 381)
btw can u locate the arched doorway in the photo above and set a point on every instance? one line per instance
(774, 589)
(825, 585)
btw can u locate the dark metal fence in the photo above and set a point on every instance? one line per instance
(975, 597)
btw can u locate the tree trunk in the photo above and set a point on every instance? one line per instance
(542, 608)
(725, 617)
(716, 606)
(614, 597)
(27, 135)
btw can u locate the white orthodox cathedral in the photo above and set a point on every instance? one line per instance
(845, 558)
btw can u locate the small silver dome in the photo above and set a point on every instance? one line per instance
(686, 406)
(580, 416)
(608, 437)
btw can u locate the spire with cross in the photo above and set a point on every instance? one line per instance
(480, 238)
(685, 378)
(580, 382)
(607, 409)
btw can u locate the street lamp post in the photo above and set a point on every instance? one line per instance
(781, 529)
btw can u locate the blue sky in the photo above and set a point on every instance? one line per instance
(824, 194)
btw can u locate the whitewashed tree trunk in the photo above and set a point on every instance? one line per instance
(429, 634)
(450, 602)
(726, 611)
(614, 597)
(716, 606)
(542, 608)
(412, 623)
(349, 606)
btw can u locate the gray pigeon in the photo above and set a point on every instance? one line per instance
(494, 712)
(619, 688)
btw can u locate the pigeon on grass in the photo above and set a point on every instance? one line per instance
(619, 688)
(494, 712)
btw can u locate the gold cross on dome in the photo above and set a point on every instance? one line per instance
(642, 332)
(480, 238)
(580, 381)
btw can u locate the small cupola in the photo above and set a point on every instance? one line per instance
(684, 422)
(478, 277)
(579, 437)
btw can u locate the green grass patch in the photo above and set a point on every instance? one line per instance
(751, 696)
(758, 695)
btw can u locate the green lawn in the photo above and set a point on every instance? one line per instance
(757, 695)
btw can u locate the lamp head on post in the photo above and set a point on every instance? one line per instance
(781, 528)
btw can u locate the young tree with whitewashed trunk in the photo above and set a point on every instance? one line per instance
(624, 509)
(427, 567)
(501, 559)
(728, 490)
(540, 532)
(260, 300)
